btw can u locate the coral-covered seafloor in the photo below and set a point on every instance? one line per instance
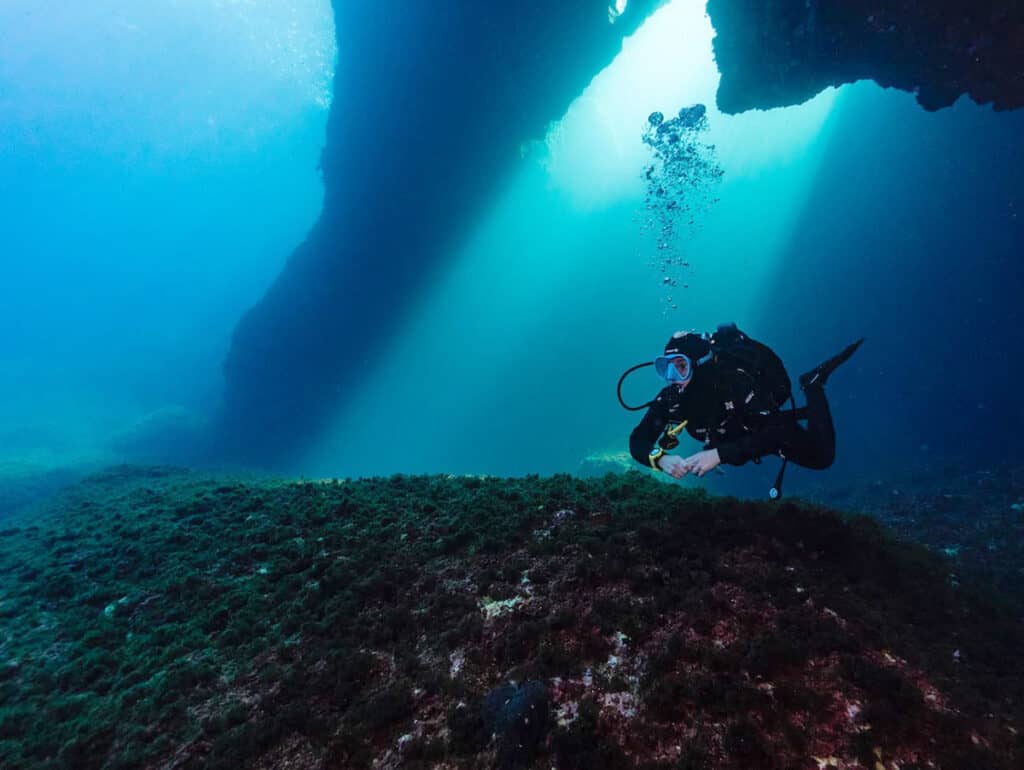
(974, 517)
(157, 618)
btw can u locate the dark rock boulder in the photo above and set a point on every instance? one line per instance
(518, 716)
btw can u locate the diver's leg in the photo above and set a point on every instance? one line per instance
(819, 425)
(814, 446)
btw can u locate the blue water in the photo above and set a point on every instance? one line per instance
(160, 165)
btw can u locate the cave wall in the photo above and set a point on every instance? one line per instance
(432, 102)
(774, 53)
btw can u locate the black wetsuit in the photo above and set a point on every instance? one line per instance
(724, 410)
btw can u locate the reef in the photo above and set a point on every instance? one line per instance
(155, 617)
(774, 53)
(973, 517)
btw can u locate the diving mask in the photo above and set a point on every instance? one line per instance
(676, 368)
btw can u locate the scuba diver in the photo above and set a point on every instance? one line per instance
(729, 391)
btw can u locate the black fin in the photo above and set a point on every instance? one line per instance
(820, 374)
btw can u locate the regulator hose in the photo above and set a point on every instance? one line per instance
(618, 390)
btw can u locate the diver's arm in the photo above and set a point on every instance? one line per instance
(645, 435)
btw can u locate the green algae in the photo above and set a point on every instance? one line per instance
(153, 614)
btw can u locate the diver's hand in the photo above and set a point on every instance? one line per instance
(673, 465)
(702, 462)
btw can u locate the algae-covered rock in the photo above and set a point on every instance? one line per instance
(155, 617)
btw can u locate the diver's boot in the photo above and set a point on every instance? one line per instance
(819, 374)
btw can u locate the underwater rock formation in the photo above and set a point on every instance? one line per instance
(155, 617)
(431, 106)
(165, 435)
(774, 53)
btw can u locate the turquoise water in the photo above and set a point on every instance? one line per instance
(161, 165)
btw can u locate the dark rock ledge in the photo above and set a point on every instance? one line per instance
(774, 53)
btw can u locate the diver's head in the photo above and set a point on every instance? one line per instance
(684, 352)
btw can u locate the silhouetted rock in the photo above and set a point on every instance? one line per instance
(431, 106)
(774, 53)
